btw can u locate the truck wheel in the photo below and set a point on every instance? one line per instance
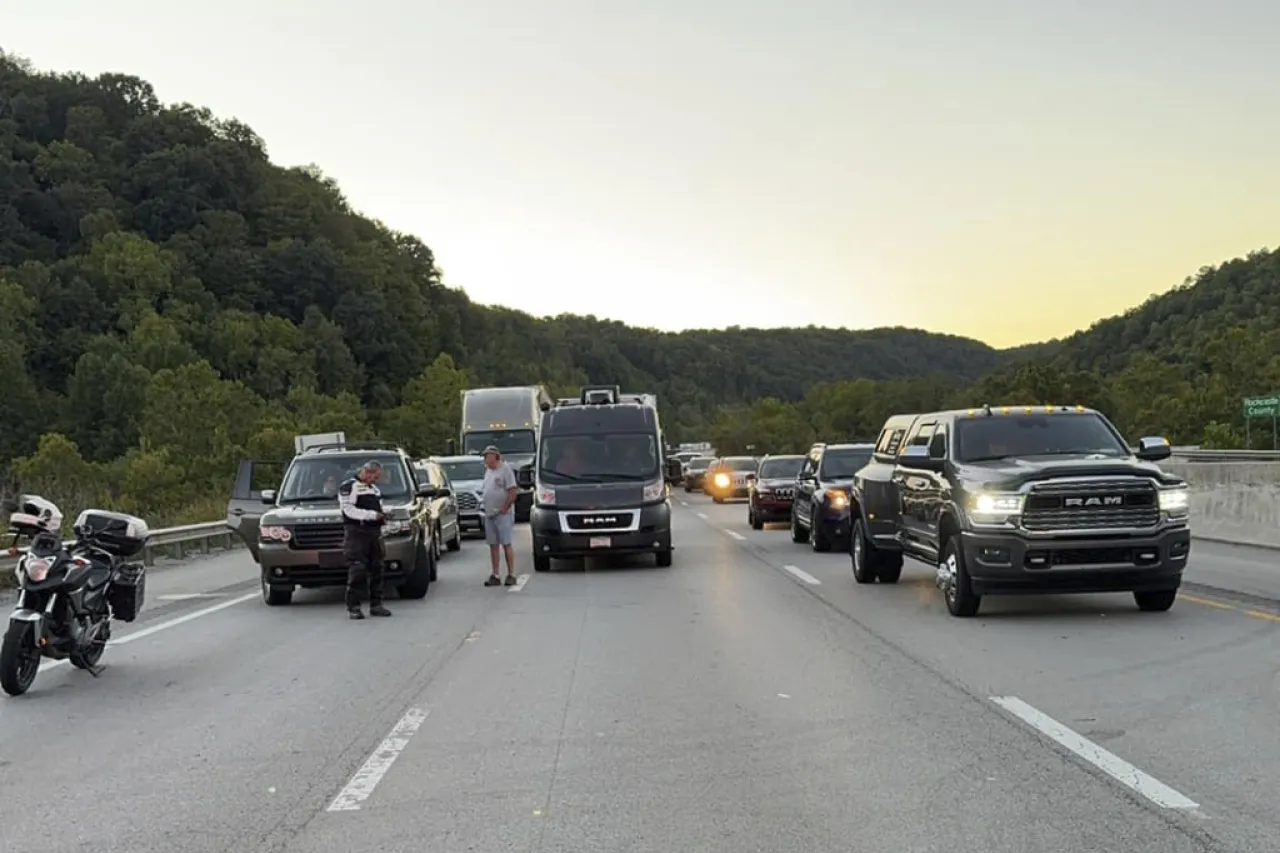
(953, 577)
(424, 571)
(798, 534)
(1155, 601)
(890, 570)
(865, 560)
(663, 559)
(276, 595)
(541, 563)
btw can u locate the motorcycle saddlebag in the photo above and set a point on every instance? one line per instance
(128, 589)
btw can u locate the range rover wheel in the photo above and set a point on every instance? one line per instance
(798, 534)
(1155, 601)
(953, 577)
(418, 583)
(276, 595)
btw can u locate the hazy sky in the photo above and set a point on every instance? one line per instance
(1008, 170)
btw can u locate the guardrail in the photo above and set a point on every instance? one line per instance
(176, 542)
(1198, 455)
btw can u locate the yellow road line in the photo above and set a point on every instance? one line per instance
(1221, 605)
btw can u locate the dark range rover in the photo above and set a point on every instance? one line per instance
(600, 482)
(1019, 500)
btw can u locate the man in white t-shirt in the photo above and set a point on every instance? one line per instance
(498, 497)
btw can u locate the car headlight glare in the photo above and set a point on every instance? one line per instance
(1175, 501)
(996, 505)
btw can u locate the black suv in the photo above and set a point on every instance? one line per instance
(820, 511)
(1017, 500)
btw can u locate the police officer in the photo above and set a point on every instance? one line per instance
(362, 519)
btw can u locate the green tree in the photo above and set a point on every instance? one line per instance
(430, 414)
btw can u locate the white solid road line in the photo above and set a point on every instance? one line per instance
(376, 766)
(1114, 766)
(736, 535)
(187, 596)
(521, 580)
(802, 575)
(162, 626)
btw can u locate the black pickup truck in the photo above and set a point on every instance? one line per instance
(1018, 500)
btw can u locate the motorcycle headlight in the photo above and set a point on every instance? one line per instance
(37, 568)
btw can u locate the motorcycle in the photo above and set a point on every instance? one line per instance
(68, 594)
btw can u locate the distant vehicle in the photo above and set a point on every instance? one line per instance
(820, 511)
(773, 490)
(695, 473)
(1021, 499)
(599, 482)
(443, 508)
(730, 477)
(509, 419)
(293, 527)
(466, 476)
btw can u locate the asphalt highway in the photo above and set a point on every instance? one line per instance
(749, 698)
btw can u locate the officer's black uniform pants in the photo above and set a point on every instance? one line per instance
(363, 550)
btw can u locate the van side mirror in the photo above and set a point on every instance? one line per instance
(524, 477)
(1154, 448)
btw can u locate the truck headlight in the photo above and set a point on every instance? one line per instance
(837, 499)
(654, 491)
(721, 480)
(1175, 500)
(995, 507)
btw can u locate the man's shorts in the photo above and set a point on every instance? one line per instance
(500, 529)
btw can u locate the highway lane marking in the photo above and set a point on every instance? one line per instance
(684, 503)
(736, 535)
(521, 580)
(702, 515)
(1114, 766)
(162, 626)
(802, 575)
(366, 779)
(187, 596)
(1222, 605)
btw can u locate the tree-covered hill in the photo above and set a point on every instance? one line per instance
(138, 239)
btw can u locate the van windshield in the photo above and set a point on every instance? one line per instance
(601, 458)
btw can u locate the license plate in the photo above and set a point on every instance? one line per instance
(601, 541)
(333, 561)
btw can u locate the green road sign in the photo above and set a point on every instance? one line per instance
(1262, 407)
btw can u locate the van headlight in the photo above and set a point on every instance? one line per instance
(995, 507)
(654, 491)
(545, 497)
(1175, 500)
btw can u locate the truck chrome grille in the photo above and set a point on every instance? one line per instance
(1096, 505)
(468, 502)
(317, 537)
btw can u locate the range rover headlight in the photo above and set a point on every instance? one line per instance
(1175, 500)
(396, 527)
(274, 533)
(995, 507)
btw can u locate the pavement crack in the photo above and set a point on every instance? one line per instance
(564, 725)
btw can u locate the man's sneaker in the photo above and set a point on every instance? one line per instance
(379, 610)
(493, 581)
(355, 613)
(511, 580)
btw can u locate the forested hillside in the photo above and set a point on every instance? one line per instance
(170, 302)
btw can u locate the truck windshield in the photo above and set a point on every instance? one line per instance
(317, 478)
(782, 467)
(1005, 436)
(602, 458)
(464, 469)
(843, 463)
(508, 441)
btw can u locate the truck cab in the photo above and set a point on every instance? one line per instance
(509, 419)
(1018, 500)
(599, 481)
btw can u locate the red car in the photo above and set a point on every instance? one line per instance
(773, 490)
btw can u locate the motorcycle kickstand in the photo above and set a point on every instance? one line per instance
(95, 670)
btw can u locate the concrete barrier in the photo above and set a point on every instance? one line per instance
(1233, 501)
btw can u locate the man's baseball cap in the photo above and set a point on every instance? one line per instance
(492, 449)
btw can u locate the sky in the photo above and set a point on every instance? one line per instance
(1008, 171)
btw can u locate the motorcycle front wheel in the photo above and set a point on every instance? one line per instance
(19, 659)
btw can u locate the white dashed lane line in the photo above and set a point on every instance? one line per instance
(1113, 765)
(736, 535)
(801, 574)
(361, 786)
